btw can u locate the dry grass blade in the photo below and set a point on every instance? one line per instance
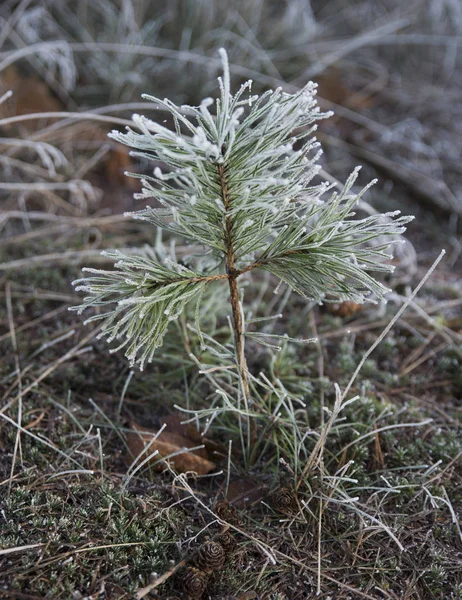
(392, 322)
(17, 443)
(4, 551)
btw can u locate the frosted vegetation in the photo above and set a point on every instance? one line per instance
(239, 183)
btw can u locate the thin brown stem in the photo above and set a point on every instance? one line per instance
(233, 274)
(239, 335)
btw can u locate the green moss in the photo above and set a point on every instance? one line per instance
(136, 542)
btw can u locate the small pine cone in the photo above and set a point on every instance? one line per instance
(284, 500)
(193, 582)
(210, 556)
(227, 540)
(227, 512)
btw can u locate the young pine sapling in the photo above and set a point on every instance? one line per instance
(237, 183)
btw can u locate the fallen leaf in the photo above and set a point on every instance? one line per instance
(245, 492)
(174, 424)
(344, 309)
(30, 95)
(332, 87)
(167, 443)
(117, 162)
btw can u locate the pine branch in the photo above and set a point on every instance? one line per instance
(328, 256)
(142, 297)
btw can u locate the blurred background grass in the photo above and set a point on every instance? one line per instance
(390, 70)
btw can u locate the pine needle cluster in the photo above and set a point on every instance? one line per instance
(237, 182)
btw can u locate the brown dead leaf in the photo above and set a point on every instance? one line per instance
(245, 492)
(332, 87)
(167, 443)
(455, 324)
(30, 95)
(174, 424)
(344, 309)
(117, 162)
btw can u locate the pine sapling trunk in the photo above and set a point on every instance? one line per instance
(233, 274)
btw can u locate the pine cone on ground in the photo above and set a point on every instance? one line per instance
(227, 512)
(193, 582)
(227, 540)
(209, 557)
(284, 501)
